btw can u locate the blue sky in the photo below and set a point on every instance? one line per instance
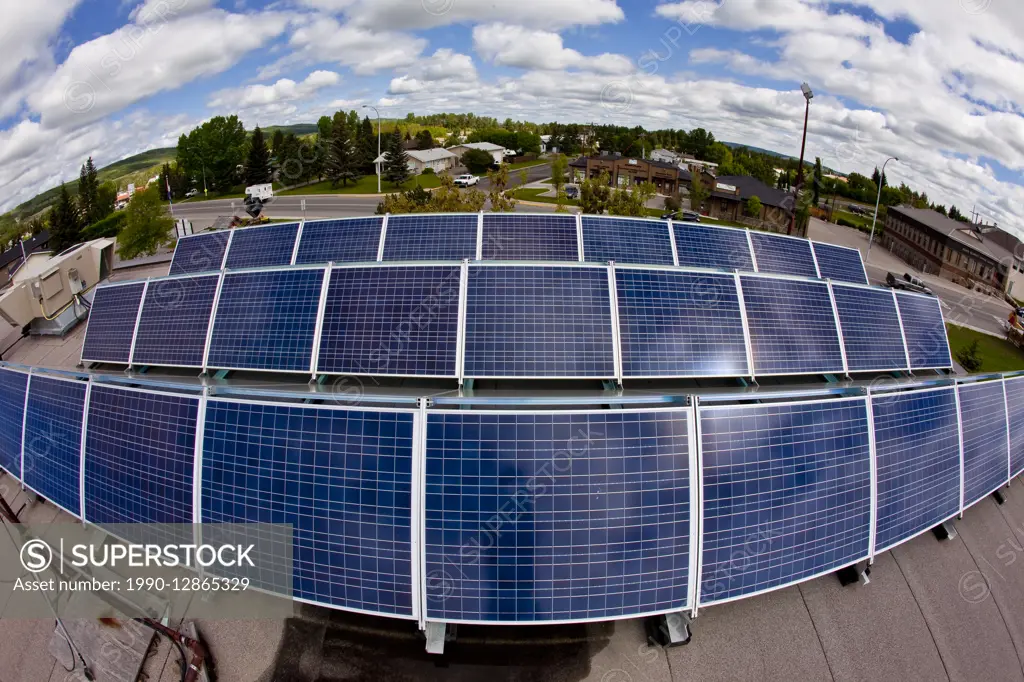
(938, 84)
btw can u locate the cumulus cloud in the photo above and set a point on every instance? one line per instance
(284, 90)
(535, 49)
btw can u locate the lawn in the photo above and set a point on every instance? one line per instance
(533, 194)
(997, 355)
(364, 185)
(527, 164)
(862, 223)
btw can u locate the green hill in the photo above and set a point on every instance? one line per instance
(299, 129)
(137, 169)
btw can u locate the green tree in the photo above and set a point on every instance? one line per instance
(633, 201)
(105, 198)
(501, 200)
(65, 225)
(595, 194)
(342, 164)
(323, 126)
(445, 199)
(396, 164)
(366, 141)
(276, 141)
(424, 140)
(219, 147)
(147, 227)
(817, 179)
(753, 207)
(477, 161)
(257, 168)
(969, 357)
(698, 192)
(88, 187)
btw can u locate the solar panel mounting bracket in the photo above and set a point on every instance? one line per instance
(669, 630)
(437, 633)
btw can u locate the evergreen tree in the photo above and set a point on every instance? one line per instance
(65, 227)
(396, 165)
(424, 140)
(366, 140)
(277, 140)
(257, 168)
(342, 163)
(817, 179)
(88, 188)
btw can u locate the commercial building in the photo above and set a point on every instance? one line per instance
(730, 198)
(933, 243)
(626, 172)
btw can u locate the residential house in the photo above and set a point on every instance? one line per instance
(496, 151)
(437, 159)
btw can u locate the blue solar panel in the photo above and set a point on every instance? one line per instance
(780, 255)
(530, 237)
(139, 454)
(625, 240)
(431, 237)
(341, 478)
(356, 240)
(267, 320)
(925, 331)
(986, 460)
(840, 263)
(115, 309)
(525, 321)
(53, 440)
(257, 247)
(703, 246)
(1015, 403)
(556, 516)
(917, 448)
(871, 329)
(200, 253)
(399, 321)
(787, 494)
(678, 324)
(175, 318)
(792, 326)
(12, 412)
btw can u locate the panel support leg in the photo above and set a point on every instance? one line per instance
(945, 531)
(999, 497)
(669, 630)
(855, 574)
(437, 634)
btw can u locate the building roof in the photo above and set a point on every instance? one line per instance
(482, 146)
(31, 244)
(966, 234)
(750, 187)
(581, 162)
(422, 155)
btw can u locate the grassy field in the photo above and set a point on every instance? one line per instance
(997, 355)
(859, 221)
(365, 185)
(527, 164)
(533, 194)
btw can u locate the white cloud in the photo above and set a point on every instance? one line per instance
(29, 28)
(284, 90)
(111, 72)
(414, 14)
(534, 49)
(156, 11)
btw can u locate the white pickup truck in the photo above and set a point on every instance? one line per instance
(466, 180)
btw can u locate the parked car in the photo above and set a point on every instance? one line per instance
(907, 283)
(572, 192)
(687, 216)
(191, 193)
(466, 180)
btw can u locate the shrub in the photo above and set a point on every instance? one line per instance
(846, 223)
(673, 203)
(428, 171)
(969, 358)
(109, 227)
(477, 161)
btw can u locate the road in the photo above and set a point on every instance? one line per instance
(202, 214)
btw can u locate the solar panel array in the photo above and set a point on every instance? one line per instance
(517, 236)
(112, 319)
(540, 321)
(557, 516)
(787, 494)
(524, 516)
(925, 330)
(1015, 417)
(53, 440)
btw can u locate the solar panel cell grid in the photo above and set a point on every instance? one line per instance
(983, 417)
(676, 324)
(174, 322)
(839, 263)
(266, 320)
(925, 331)
(258, 247)
(702, 246)
(792, 326)
(548, 517)
(391, 321)
(644, 242)
(115, 309)
(431, 237)
(355, 240)
(342, 478)
(53, 440)
(786, 494)
(139, 454)
(871, 328)
(201, 253)
(780, 255)
(1015, 403)
(12, 411)
(917, 447)
(525, 321)
(530, 237)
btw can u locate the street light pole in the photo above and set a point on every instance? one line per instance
(808, 95)
(878, 202)
(370, 106)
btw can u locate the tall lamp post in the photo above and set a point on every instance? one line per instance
(808, 95)
(878, 202)
(370, 106)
